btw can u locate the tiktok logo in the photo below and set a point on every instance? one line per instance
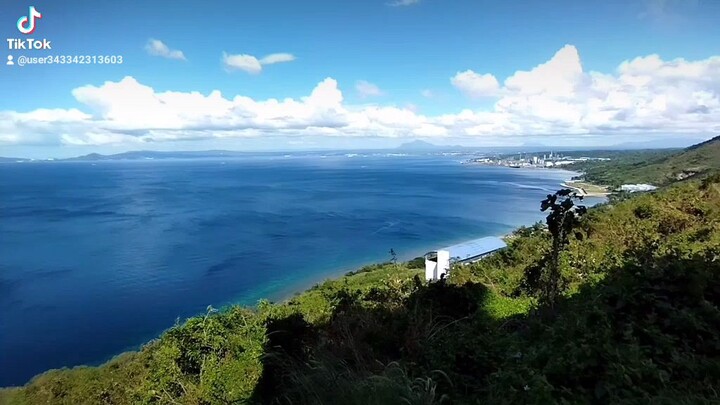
(26, 23)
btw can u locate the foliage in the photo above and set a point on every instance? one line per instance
(200, 360)
(659, 167)
(638, 322)
(416, 263)
(564, 216)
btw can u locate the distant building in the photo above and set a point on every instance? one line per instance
(437, 262)
(633, 188)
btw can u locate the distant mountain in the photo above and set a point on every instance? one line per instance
(12, 159)
(415, 145)
(711, 144)
(696, 159)
(146, 155)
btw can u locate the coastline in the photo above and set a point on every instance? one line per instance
(282, 297)
(301, 286)
(582, 190)
(285, 290)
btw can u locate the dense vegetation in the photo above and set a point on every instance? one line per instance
(637, 320)
(659, 167)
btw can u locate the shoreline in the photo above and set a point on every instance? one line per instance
(566, 183)
(337, 273)
(302, 284)
(584, 193)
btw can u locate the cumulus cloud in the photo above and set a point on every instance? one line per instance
(251, 64)
(156, 47)
(645, 95)
(475, 84)
(366, 89)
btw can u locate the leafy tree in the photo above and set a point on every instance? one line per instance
(563, 218)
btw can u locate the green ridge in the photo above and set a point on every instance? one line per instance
(656, 167)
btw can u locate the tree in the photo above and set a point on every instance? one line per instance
(393, 257)
(563, 218)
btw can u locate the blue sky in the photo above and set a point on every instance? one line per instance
(387, 73)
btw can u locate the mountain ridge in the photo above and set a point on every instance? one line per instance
(655, 166)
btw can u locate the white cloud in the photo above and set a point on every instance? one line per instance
(277, 58)
(251, 64)
(646, 94)
(244, 62)
(427, 93)
(156, 47)
(557, 77)
(474, 84)
(402, 3)
(643, 96)
(367, 89)
(98, 139)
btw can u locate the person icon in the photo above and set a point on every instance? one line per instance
(10, 60)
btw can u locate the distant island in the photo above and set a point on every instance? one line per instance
(150, 155)
(12, 160)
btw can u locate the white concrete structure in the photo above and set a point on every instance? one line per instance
(436, 265)
(437, 262)
(634, 188)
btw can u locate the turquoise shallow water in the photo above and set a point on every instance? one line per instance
(96, 258)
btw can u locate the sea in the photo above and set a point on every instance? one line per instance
(97, 258)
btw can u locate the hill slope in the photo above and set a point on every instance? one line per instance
(654, 166)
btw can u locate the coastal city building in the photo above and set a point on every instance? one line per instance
(437, 262)
(530, 161)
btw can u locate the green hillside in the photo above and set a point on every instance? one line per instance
(656, 167)
(638, 322)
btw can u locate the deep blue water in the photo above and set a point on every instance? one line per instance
(97, 258)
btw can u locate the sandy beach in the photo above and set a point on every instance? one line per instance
(587, 189)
